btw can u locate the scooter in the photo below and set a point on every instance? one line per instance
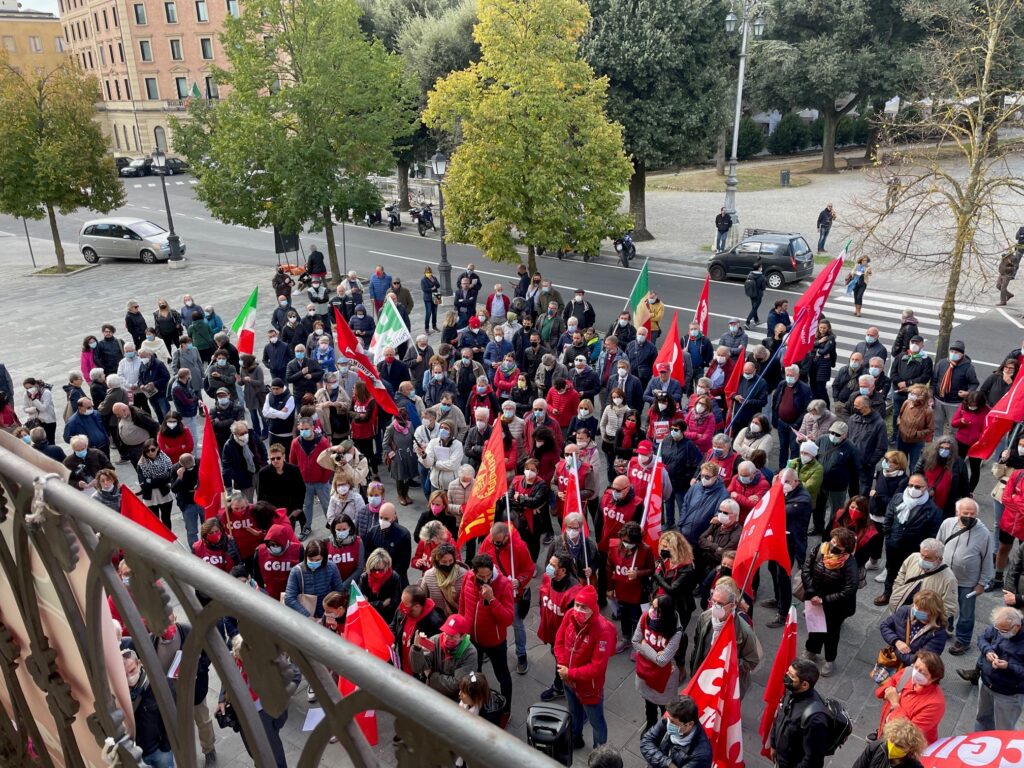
(424, 218)
(372, 217)
(394, 219)
(625, 249)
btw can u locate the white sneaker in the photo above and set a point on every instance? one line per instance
(872, 564)
(827, 669)
(880, 578)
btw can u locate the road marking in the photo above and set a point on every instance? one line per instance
(137, 186)
(1004, 314)
(151, 185)
(193, 181)
(179, 183)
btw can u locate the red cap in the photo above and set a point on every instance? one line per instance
(646, 448)
(663, 367)
(474, 322)
(457, 624)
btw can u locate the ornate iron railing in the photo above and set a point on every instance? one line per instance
(63, 682)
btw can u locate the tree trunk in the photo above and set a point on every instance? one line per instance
(720, 152)
(332, 248)
(403, 185)
(828, 141)
(531, 259)
(58, 248)
(638, 200)
(956, 258)
(874, 141)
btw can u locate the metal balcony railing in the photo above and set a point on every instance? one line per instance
(55, 646)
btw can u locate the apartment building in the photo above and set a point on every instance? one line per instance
(150, 57)
(32, 41)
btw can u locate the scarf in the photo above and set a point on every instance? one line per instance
(910, 357)
(158, 468)
(833, 562)
(250, 460)
(904, 508)
(401, 428)
(628, 433)
(446, 583)
(377, 579)
(947, 378)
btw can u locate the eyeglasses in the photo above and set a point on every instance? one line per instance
(835, 434)
(153, 450)
(836, 551)
(277, 458)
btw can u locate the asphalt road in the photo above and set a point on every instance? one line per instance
(988, 333)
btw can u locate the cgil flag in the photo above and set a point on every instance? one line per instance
(210, 489)
(350, 350)
(650, 524)
(763, 538)
(390, 331)
(1009, 410)
(133, 509)
(715, 689)
(732, 386)
(365, 628)
(489, 486)
(774, 689)
(672, 353)
(700, 316)
(244, 325)
(808, 309)
(638, 300)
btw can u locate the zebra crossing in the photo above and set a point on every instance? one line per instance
(151, 184)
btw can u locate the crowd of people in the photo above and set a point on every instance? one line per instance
(296, 428)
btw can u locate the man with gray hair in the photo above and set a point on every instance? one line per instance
(1000, 668)
(967, 549)
(925, 569)
(789, 404)
(84, 462)
(724, 599)
(134, 428)
(242, 457)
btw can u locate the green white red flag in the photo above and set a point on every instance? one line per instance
(638, 300)
(244, 325)
(364, 627)
(390, 331)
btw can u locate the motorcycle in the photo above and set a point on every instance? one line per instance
(424, 218)
(372, 217)
(625, 249)
(394, 219)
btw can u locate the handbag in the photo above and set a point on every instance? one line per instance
(798, 585)
(887, 663)
(306, 601)
(436, 296)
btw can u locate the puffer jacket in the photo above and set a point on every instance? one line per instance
(1012, 521)
(837, 589)
(302, 580)
(488, 623)
(585, 649)
(745, 495)
(700, 504)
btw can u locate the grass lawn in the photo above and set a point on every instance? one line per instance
(753, 178)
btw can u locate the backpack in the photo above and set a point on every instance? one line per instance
(838, 723)
(750, 286)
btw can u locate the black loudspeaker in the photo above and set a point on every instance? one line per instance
(549, 730)
(285, 243)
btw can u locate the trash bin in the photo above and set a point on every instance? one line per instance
(784, 178)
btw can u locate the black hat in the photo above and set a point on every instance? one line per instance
(277, 382)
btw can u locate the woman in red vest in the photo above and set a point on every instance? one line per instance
(275, 558)
(345, 551)
(656, 642)
(630, 565)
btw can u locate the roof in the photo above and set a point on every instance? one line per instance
(26, 16)
(125, 221)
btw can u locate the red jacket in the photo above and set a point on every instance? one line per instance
(616, 514)
(364, 419)
(561, 479)
(175, 445)
(505, 383)
(274, 570)
(639, 477)
(218, 558)
(585, 649)
(1012, 520)
(503, 559)
(563, 405)
(726, 369)
(550, 423)
(969, 424)
(727, 465)
(487, 400)
(490, 300)
(242, 528)
(424, 549)
(306, 462)
(345, 557)
(743, 493)
(553, 606)
(700, 428)
(488, 624)
(620, 561)
(923, 708)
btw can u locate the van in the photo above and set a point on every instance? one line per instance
(124, 238)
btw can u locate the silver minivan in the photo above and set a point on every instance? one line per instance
(123, 238)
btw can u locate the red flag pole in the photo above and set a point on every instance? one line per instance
(647, 501)
(579, 505)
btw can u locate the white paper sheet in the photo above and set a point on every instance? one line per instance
(814, 616)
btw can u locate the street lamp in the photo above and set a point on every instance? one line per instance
(748, 9)
(440, 163)
(173, 241)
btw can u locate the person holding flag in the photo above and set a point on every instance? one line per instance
(630, 566)
(575, 542)
(512, 559)
(569, 467)
(558, 589)
(724, 601)
(675, 576)
(698, 347)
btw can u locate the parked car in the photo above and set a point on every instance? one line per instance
(124, 238)
(121, 162)
(172, 166)
(785, 257)
(140, 166)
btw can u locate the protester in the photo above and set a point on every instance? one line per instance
(678, 739)
(915, 694)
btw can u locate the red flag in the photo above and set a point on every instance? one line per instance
(808, 311)
(349, 349)
(364, 627)
(489, 486)
(210, 489)
(672, 353)
(650, 525)
(573, 502)
(133, 508)
(763, 538)
(700, 317)
(774, 689)
(715, 688)
(732, 386)
(1007, 412)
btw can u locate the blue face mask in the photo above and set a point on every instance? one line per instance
(27, 439)
(865, 391)
(314, 565)
(672, 729)
(129, 355)
(550, 570)
(306, 434)
(944, 452)
(438, 377)
(920, 615)
(82, 454)
(222, 361)
(299, 355)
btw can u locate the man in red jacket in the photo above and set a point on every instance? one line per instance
(583, 645)
(563, 402)
(640, 469)
(303, 454)
(486, 600)
(275, 558)
(558, 588)
(512, 558)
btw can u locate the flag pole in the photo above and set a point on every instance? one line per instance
(511, 543)
(579, 505)
(636, 282)
(647, 500)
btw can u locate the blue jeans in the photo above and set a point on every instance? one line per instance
(720, 238)
(519, 630)
(581, 713)
(822, 237)
(430, 313)
(259, 426)
(788, 447)
(913, 451)
(996, 711)
(159, 759)
(675, 502)
(321, 491)
(965, 621)
(898, 399)
(193, 517)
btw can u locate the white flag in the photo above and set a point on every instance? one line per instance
(390, 332)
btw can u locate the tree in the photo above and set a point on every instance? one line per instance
(53, 156)
(751, 139)
(312, 108)
(789, 135)
(943, 215)
(668, 68)
(538, 156)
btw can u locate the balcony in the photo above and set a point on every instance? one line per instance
(62, 667)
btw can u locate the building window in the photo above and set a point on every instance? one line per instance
(140, 13)
(120, 51)
(211, 88)
(58, 43)
(117, 137)
(206, 44)
(181, 83)
(171, 12)
(151, 92)
(103, 57)
(160, 137)
(9, 45)
(117, 89)
(35, 44)
(176, 53)
(110, 50)
(106, 20)
(233, 8)
(202, 14)
(107, 84)
(124, 131)
(113, 12)
(95, 21)
(92, 64)
(146, 50)
(127, 89)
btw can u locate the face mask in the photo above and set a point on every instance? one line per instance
(805, 459)
(530, 475)
(919, 678)
(451, 642)
(788, 683)
(275, 549)
(746, 480)
(273, 339)
(149, 337)
(445, 567)
(314, 564)
(920, 615)
(718, 611)
(343, 489)
(499, 339)
(928, 565)
(550, 570)
(968, 522)
(82, 454)
(944, 452)
(437, 376)
(791, 380)
(107, 488)
(694, 333)
(385, 524)
(300, 355)
(92, 345)
(214, 537)
(617, 400)
(508, 415)
(27, 439)
(572, 533)
(787, 488)
(129, 355)
(672, 729)
(894, 752)
(723, 518)
(700, 408)
(707, 482)
(444, 434)
(701, 390)
(869, 340)
(126, 580)
(720, 359)
(915, 348)
(641, 339)
(306, 434)
(733, 328)
(676, 434)
(374, 501)
(855, 365)
(662, 406)
(834, 439)
(915, 493)
(481, 390)
(437, 509)
(754, 429)
(748, 376)
(956, 357)
(283, 303)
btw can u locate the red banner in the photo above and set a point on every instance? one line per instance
(349, 349)
(763, 538)
(715, 688)
(210, 488)
(808, 311)
(651, 524)
(732, 386)
(672, 353)
(489, 486)
(133, 509)
(700, 317)
(986, 749)
(1004, 414)
(774, 688)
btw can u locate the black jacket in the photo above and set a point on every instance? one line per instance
(840, 462)
(108, 354)
(390, 593)
(964, 378)
(659, 751)
(136, 324)
(875, 755)
(799, 737)
(798, 517)
(837, 589)
(682, 460)
(397, 542)
(908, 330)
(869, 437)
(285, 491)
(911, 371)
(85, 470)
(429, 624)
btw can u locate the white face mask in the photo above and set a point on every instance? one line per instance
(617, 400)
(572, 533)
(919, 678)
(718, 611)
(805, 459)
(915, 493)
(788, 488)
(700, 408)
(385, 524)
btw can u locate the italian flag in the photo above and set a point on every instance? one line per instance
(638, 300)
(366, 628)
(244, 325)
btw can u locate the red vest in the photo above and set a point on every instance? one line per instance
(346, 557)
(218, 558)
(275, 570)
(553, 605)
(243, 528)
(656, 677)
(562, 479)
(616, 516)
(628, 590)
(639, 477)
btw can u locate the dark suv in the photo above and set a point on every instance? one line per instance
(785, 257)
(172, 165)
(140, 166)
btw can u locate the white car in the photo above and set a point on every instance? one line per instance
(124, 238)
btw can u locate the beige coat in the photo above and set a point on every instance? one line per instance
(942, 583)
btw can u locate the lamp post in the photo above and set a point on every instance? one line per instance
(173, 241)
(440, 163)
(747, 8)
